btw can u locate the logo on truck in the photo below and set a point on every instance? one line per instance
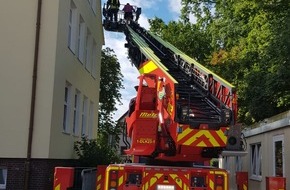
(147, 115)
(145, 141)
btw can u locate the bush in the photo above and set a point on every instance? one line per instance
(91, 153)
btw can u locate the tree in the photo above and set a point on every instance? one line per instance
(92, 153)
(101, 151)
(246, 42)
(185, 36)
(110, 96)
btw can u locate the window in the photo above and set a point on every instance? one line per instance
(84, 116)
(72, 31)
(81, 40)
(256, 162)
(94, 60)
(94, 5)
(91, 120)
(3, 178)
(76, 113)
(278, 155)
(89, 47)
(66, 107)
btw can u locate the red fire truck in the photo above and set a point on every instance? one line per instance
(183, 116)
(141, 176)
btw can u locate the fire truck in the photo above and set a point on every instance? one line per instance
(183, 116)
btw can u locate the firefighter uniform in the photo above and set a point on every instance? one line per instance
(113, 8)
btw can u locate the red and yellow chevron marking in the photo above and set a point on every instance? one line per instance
(245, 187)
(211, 184)
(99, 178)
(202, 138)
(150, 181)
(121, 180)
(57, 187)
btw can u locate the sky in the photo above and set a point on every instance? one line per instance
(167, 10)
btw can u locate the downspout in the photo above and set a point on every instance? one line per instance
(33, 95)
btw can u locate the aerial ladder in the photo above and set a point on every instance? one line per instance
(183, 111)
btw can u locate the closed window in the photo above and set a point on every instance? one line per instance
(66, 107)
(76, 113)
(91, 120)
(256, 162)
(3, 178)
(84, 116)
(94, 60)
(89, 47)
(72, 30)
(81, 39)
(278, 155)
(93, 4)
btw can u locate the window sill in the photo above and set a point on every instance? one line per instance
(256, 178)
(65, 133)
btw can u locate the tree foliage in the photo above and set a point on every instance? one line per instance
(110, 96)
(93, 152)
(187, 36)
(246, 42)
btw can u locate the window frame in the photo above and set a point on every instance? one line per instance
(89, 48)
(93, 4)
(67, 108)
(72, 28)
(256, 161)
(4, 172)
(91, 120)
(81, 39)
(76, 112)
(84, 117)
(94, 60)
(278, 138)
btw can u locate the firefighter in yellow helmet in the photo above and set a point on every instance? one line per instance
(113, 8)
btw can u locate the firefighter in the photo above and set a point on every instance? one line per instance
(113, 8)
(128, 12)
(138, 12)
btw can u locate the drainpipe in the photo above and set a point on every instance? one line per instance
(33, 95)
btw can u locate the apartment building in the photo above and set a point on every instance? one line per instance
(49, 78)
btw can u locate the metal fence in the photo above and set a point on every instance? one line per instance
(89, 179)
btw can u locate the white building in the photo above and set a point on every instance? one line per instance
(49, 78)
(265, 162)
(267, 144)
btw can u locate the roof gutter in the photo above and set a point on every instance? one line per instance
(33, 95)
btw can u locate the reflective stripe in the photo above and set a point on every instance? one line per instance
(57, 187)
(114, 4)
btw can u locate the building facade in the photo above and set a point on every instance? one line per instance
(264, 161)
(49, 79)
(268, 143)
